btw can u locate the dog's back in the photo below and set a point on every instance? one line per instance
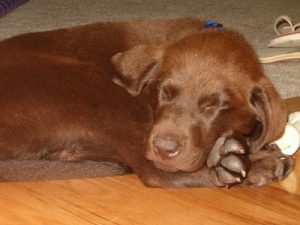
(98, 42)
(58, 101)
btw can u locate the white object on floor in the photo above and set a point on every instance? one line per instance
(272, 55)
(289, 143)
(283, 25)
(286, 41)
(288, 34)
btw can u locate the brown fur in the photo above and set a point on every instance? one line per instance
(58, 101)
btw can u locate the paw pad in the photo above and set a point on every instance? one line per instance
(228, 162)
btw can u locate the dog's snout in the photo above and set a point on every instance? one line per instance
(166, 146)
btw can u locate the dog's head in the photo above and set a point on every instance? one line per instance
(201, 87)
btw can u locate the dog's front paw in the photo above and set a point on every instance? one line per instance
(267, 165)
(228, 161)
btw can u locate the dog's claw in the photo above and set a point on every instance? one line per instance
(233, 146)
(233, 163)
(226, 177)
(244, 173)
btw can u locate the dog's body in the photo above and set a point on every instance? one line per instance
(58, 101)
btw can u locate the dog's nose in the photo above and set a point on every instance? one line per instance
(166, 146)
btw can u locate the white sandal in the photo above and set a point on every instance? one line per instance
(288, 34)
(285, 46)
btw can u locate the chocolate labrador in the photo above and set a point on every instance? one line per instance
(178, 104)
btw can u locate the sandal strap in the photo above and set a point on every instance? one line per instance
(284, 21)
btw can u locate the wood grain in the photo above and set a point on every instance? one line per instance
(125, 201)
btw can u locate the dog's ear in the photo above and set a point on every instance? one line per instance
(136, 67)
(271, 114)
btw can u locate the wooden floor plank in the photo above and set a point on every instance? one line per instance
(125, 201)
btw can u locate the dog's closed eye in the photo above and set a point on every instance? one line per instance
(213, 102)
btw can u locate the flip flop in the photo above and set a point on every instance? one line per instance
(288, 34)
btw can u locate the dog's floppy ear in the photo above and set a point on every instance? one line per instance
(271, 114)
(136, 66)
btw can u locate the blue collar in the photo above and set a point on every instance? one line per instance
(210, 24)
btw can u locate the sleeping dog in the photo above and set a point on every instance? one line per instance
(176, 103)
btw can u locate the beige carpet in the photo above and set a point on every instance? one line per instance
(254, 18)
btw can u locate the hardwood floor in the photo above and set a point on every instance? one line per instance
(125, 201)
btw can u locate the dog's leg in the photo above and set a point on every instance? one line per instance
(64, 160)
(38, 170)
(232, 166)
(228, 165)
(83, 150)
(205, 177)
(267, 165)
